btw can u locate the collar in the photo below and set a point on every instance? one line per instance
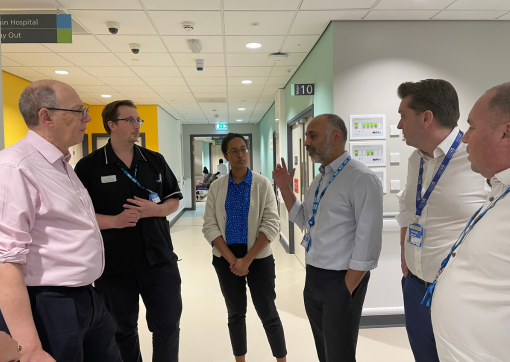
(51, 153)
(247, 180)
(502, 177)
(443, 148)
(111, 156)
(333, 166)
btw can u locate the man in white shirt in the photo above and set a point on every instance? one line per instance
(471, 301)
(222, 168)
(431, 223)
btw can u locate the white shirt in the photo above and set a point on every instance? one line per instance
(457, 195)
(471, 303)
(348, 224)
(222, 169)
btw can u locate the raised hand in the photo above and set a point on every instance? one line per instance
(281, 176)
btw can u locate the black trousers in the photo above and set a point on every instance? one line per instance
(261, 280)
(333, 313)
(160, 289)
(73, 324)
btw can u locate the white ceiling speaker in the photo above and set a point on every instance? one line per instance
(195, 45)
(278, 57)
(188, 25)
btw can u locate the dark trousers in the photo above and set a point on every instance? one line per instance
(261, 280)
(333, 313)
(418, 321)
(160, 289)
(73, 324)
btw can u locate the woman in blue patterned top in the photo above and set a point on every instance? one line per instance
(240, 222)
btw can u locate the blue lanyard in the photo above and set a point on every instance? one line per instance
(133, 178)
(422, 201)
(470, 225)
(317, 199)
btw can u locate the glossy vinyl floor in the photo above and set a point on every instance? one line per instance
(204, 333)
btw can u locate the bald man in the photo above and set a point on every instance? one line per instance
(51, 248)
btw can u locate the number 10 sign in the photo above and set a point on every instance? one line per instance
(303, 89)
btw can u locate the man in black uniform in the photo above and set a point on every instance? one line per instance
(133, 190)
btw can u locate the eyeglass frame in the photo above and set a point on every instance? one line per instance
(84, 112)
(239, 151)
(128, 120)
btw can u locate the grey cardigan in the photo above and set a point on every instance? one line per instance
(262, 217)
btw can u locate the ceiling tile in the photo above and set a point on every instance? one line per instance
(206, 80)
(184, 59)
(480, 5)
(156, 71)
(248, 71)
(131, 22)
(293, 59)
(244, 95)
(337, 4)
(91, 101)
(155, 81)
(269, 99)
(256, 81)
(401, 14)
(506, 17)
(97, 95)
(182, 4)
(122, 80)
(144, 59)
(300, 43)
(270, 22)
(242, 100)
(133, 89)
(253, 60)
(109, 71)
(50, 72)
(289, 70)
(145, 95)
(245, 89)
(36, 59)
(102, 89)
(416, 5)
(210, 94)
(207, 72)
(314, 22)
(102, 4)
(270, 44)
(177, 95)
(120, 43)
(80, 44)
(178, 44)
(22, 72)
(278, 80)
(170, 22)
(29, 5)
(261, 4)
(208, 88)
(170, 88)
(92, 59)
(24, 48)
(79, 80)
(271, 88)
(469, 15)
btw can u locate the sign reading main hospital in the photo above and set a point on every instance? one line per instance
(36, 28)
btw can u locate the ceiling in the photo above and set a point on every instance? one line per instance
(164, 71)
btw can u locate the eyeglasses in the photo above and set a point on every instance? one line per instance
(234, 152)
(83, 112)
(131, 121)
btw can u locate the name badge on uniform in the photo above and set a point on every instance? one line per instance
(306, 242)
(415, 235)
(154, 197)
(107, 179)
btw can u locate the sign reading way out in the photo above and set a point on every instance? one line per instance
(36, 28)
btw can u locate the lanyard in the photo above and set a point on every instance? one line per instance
(470, 225)
(133, 178)
(317, 199)
(422, 201)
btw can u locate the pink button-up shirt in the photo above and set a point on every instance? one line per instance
(47, 220)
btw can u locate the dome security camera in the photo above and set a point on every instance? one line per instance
(113, 26)
(135, 47)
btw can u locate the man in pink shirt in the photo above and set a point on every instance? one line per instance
(51, 248)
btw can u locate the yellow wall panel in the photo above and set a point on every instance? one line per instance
(14, 125)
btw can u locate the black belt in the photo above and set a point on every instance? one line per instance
(427, 284)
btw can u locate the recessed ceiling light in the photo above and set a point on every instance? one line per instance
(61, 72)
(106, 95)
(246, 81)
(253, 45)
(277, 119)
(239, 120)
(241, 109)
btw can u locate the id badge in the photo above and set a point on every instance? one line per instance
(415, 235)
(154, 197)
(306, 242)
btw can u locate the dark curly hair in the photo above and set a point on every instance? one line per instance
(228, 138)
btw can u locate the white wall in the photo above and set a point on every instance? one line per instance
(198, 159)
(371, 59)
(169, 137)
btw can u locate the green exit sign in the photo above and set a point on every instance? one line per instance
(221, 126)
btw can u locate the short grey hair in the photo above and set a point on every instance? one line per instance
(500, 103)
(33, 98)
(336, 124)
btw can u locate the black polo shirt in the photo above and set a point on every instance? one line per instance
(149, 242)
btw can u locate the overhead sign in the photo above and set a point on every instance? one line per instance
(303, 89)
(221, 126)
(36, 28)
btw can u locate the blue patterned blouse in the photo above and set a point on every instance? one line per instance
(237, 206)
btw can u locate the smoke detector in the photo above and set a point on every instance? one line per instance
(216, 115)
(278, 57)
(188, 25)
(255, 25)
